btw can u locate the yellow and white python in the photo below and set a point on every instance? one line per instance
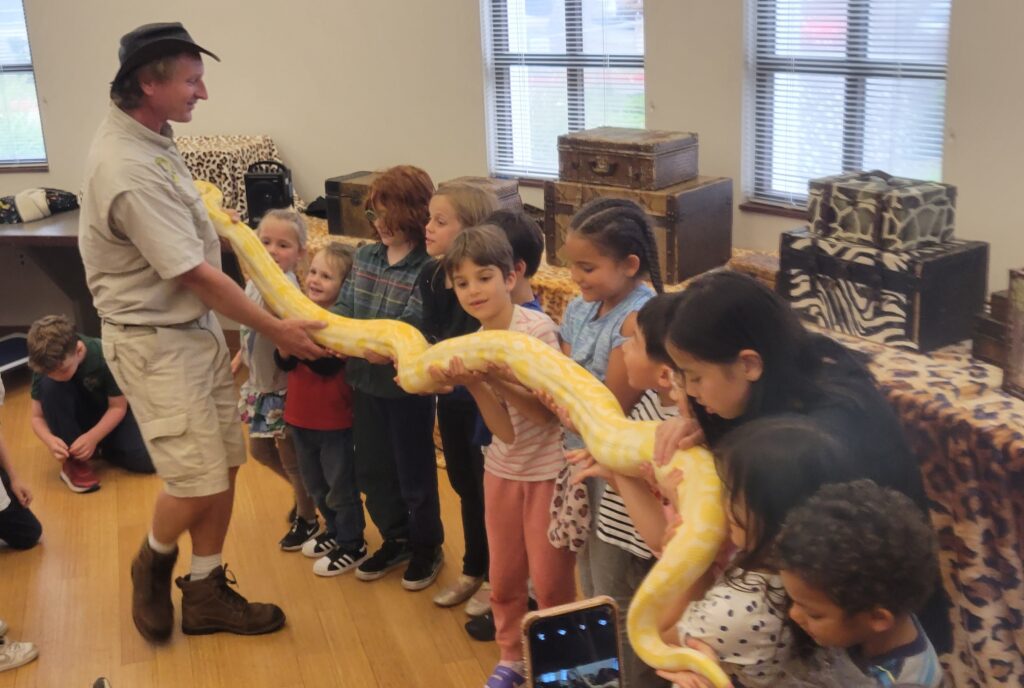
(616, 442)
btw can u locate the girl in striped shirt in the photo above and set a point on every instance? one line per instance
(627, 547)
(525, 456)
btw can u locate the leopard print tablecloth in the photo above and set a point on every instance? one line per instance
(224, 160)
(969, 436)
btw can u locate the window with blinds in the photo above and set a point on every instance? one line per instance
(839, 85)
(555, 66)
(21, 133)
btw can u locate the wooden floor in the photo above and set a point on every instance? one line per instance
(71, 595)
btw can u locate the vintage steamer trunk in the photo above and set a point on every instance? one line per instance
(630, 158)
(877, 209)
(920, 299)
(1013, 374)
(990, 340)
(692, 221)
(345, 197)
(506, 190)
(999, 304)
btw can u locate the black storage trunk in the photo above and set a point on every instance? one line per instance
(345, 197)
(920, 299)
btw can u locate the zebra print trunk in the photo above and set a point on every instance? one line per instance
(920, 299)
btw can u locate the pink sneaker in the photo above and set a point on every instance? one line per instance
(78, 476)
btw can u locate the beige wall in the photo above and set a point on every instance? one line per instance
(984, 148)
(701, 44)
(350, 85)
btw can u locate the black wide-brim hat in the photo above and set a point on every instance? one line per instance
(151, 42)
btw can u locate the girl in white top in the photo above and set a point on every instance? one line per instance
(261, 407)
(768, 466)
(525, 457)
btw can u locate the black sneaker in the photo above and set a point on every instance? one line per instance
(300, 531)
(391, 554)
(482, 627)
(340, 561)
(320, 546)
(423, 569)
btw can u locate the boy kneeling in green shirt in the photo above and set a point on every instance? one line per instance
(77, 407)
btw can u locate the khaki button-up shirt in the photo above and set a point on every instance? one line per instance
(142, 224)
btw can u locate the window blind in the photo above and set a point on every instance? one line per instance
(21, 133)
(555, 66)
(840, 85)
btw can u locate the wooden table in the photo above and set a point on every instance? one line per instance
(52, 244)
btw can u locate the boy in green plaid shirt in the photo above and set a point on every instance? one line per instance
(394, 431)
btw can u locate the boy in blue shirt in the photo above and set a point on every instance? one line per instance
(857, 561)
(527, 243)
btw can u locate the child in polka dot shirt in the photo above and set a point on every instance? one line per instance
(768, 467)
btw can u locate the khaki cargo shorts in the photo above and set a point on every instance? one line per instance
(178, 383)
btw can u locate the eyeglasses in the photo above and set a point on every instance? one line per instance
(372, 216)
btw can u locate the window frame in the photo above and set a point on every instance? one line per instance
(855, 67)
(34, 165)
(574, 60)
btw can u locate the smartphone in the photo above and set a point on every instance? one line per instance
(573, 646)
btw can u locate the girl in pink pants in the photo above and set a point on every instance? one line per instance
(525, 456)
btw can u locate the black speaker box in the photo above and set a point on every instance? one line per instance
(268, 185)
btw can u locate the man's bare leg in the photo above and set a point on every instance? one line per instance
(205, 518)
(208, 533)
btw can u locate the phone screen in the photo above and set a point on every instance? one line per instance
(578, 649)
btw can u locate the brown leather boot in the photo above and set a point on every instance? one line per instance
(152, 610)
(211, 605)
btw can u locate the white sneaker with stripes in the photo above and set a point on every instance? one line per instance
(340, 561)
(319, 546)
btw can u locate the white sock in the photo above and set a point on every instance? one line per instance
(160, 547)
(204, 566)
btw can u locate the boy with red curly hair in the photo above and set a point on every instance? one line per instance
(394, 431)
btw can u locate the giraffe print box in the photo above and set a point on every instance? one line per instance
(877, 209)
(920, 299)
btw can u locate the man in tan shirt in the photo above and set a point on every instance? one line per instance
(152, 262)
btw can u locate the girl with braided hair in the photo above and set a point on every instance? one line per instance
(611, 253)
